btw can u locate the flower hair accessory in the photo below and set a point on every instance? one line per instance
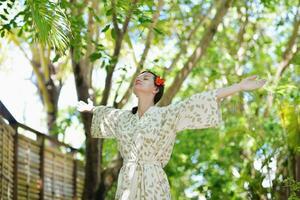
(159, 81)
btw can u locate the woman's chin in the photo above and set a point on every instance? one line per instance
(139, 89)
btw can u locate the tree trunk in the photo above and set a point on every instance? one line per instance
(93, 146)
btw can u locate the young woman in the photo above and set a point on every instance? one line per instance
(146, 134)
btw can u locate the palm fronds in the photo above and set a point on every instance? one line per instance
(51, 25)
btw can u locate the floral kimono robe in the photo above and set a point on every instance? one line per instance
(145, 143)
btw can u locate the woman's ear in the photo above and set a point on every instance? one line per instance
(156, 90)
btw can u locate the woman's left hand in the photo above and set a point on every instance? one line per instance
(251, 83)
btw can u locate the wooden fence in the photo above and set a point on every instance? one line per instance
(41, 168)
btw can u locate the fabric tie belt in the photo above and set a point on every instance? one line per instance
(134, 179)
(142, 162)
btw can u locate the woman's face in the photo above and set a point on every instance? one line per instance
(144, 83)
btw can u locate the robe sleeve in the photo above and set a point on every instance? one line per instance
(200, 110)
(105, 121)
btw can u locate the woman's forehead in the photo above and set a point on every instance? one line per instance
(145, 74)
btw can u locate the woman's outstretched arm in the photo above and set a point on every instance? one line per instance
(250, 83)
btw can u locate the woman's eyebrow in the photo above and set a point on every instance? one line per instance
(144, 75)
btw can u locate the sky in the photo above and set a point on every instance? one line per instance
(20, 97)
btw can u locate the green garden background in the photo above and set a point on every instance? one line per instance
(196, 45)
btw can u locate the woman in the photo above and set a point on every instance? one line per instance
(146, 134)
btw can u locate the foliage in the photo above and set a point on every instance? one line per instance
(44, 20)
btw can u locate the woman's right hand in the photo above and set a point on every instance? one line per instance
(84, 107)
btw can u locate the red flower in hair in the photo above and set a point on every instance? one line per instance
(159, 81)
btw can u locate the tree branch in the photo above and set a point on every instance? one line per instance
(184, 44)
(197, 54)
(114, 17)
(144, 54)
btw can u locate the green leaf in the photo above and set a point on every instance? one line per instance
(144, 19)
(5, 10)
(95, 56)
(105, 28)
(3, 17)
(55, 59)
(113, 34)
(2, 33)
(96, 17)
(10, 5)
(20, 32)
(158, 31)
(109, 12)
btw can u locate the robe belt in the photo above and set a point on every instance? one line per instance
(142, 162)
(134, 180)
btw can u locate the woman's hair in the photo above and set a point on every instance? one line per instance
(158, 95)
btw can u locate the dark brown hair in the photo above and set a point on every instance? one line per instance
(158, 95)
